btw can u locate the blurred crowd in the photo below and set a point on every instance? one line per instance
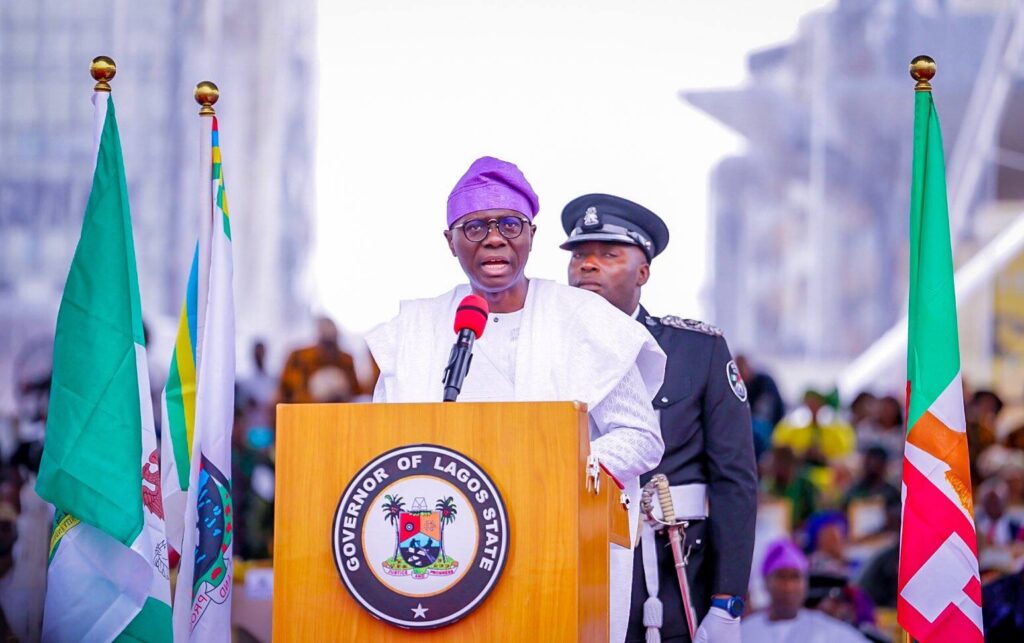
(829, 512)
(830, 487)
(319, 372)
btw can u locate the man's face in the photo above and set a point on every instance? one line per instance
(788, 589)
(889, 412)
(875, 465)
(326, 332)
(783, 465)
(815, 403)
(494, 264)
(994, 505)
(832, 540)
(616, 271)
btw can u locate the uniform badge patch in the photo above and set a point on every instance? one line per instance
(739, 387)
(590, 219)
(420, 537)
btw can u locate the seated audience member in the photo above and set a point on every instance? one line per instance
(1002, 608)
(259, 387)
(822, 438)
(1013, 474)
(766, 405)
(880, 577)
(862, 410)
(22, 574)
(815, 431)
(24, 542)
(826, 540)
(784, 480)
(981, 412)
(785, 572)
(998, 461)
(994, 526)
(1005, 457)
(321, 372)
(884, 428)
(873, 484)
(1010, 427)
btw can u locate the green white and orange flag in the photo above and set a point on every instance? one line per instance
(939, 587)
(107, 576)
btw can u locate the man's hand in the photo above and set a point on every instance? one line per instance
(718, 627)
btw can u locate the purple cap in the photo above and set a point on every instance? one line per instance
(492, 184)
(783, 554)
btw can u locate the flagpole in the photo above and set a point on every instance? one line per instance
(103, 69)
(202, 607)
(922, 69)
(206, 94)
(938, 563)
(107, 569)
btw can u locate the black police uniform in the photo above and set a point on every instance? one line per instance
(705, 422)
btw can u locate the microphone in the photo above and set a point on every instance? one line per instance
(470, 319)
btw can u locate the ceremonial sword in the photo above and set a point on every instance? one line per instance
(676, 538)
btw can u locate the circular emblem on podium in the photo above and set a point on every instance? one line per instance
(420, 536)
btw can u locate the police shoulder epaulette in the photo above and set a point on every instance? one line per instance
(691, 324)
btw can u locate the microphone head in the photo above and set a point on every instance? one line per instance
(472, 315)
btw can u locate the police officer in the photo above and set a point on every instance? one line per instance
(705, 421)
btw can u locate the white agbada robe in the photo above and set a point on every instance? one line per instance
(565, 344)
(809, 626)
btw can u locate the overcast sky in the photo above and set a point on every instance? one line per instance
(582, 95)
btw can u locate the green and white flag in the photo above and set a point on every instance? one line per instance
(108, 576)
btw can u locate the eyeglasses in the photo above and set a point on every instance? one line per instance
(476, 230)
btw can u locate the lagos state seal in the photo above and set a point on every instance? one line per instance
(420, 536)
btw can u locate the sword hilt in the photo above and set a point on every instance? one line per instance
(647, 501)
(661, 486)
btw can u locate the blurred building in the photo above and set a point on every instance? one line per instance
(262, 54)
(809, 224)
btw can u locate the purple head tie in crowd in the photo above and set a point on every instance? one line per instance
(783, 554)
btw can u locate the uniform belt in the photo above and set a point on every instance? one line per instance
(690, 502)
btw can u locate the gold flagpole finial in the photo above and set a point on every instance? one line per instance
(206, 95)
(922, 69)
(103, 70)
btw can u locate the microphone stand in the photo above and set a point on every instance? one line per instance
(458, 364)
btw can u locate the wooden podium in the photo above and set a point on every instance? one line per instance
(554, 586)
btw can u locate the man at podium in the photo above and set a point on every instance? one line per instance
(544, 342)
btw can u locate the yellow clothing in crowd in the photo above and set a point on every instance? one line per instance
(833, 436)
